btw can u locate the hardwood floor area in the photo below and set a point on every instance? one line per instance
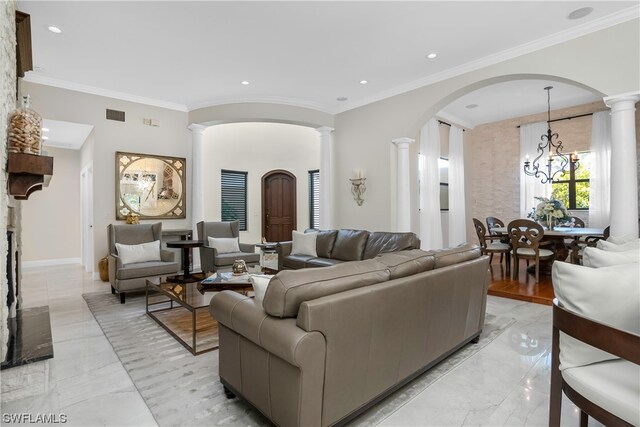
(523, 289)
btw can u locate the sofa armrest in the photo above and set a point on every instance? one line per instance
(115, 263)
(247, 247)
(281, 337)
(207, 258)
(167, 256)
(284, 250)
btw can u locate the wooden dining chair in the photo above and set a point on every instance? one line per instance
(578, 245)
(493, 222)
(489, 247)
(525, 236)
(604, 337)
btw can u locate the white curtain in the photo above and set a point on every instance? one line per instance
(457, 214)
(600, 179)
(430, 222)
(530, 186)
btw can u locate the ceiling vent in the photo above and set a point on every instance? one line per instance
(115, 115)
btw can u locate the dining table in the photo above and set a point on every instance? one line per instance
(556, 238)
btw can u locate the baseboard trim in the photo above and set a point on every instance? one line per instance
(96, 276)
(50, 262)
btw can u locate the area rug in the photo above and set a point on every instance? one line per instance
(184, 390)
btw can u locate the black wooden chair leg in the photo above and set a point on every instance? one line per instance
(584, 419)
(122, 297)
(113, 290)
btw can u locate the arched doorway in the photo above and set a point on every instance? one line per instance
(279, 217)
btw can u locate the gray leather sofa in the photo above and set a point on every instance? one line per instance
(326, 343)
(338, 246)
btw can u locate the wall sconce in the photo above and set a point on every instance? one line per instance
(358, 188)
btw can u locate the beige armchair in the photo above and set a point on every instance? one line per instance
(133, 276)
(210, 259)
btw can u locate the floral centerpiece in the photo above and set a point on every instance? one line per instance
(550, 211)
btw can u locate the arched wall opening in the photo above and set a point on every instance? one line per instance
(258, 147)
(492, 153)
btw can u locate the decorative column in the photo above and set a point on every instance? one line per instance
(326, 177)
(197, 178)
(403, 185)
(624, 164)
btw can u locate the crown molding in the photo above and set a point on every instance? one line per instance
(263, 100)
(523, 49)
(93, 90)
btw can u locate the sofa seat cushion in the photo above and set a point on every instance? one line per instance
(613, 385)
(290, 288)
(349, 245)
(296, 262)
(146, 269)
(382, 242)
(229, 258)
(322, 262)
(407, 263)
(446, 257)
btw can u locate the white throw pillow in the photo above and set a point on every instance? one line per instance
(609, 295)
(304, 244)
(596, 258)
(224, 245)
(143, 252)
(621, 240)
(613, 247)
(260, 283)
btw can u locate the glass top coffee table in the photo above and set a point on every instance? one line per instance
(182, 310)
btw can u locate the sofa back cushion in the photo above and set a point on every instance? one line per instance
(290, 288)
(324, 242)
(450, 256)
(349, 245)
(381, 242)
(407, 263)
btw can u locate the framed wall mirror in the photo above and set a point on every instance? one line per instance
(151, 186)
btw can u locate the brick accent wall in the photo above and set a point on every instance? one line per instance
(495, 148)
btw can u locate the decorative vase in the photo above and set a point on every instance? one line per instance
(239, 267)
(25, 130)
(550, 222)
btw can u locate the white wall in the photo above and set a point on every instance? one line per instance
(51, 217)
(363, 135)
(171, 138)
(258, 148)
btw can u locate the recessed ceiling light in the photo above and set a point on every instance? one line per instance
(471, 106)
(54, 29)
(45, 137)
(244, 82)
(341, 98)
(580, 13)
(432, 55)
(45, 129)
(363, 82)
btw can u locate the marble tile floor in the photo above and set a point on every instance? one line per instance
(504, 384)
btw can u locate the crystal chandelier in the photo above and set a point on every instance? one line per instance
(553, 145)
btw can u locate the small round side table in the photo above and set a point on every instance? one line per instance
(186, 246)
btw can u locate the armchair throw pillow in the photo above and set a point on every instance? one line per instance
(224, 245)
(609, 295)
(304, 244)
(130, 254)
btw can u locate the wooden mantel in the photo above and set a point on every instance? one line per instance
(28, 173)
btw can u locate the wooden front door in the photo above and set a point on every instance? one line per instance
(278, 205)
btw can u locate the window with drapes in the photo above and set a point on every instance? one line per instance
(572, 186)
(314, 199)
(233, 199)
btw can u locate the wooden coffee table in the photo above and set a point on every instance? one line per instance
(183, 309)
